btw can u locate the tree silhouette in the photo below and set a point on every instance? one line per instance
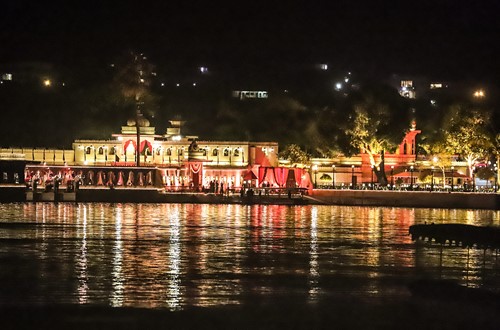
(133, 78)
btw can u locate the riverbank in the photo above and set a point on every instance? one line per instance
(461, 200)
(456, 200)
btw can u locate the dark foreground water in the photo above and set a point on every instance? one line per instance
(182, 256)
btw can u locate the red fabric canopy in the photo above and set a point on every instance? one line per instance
(249, 176)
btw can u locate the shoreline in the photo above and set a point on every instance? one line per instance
(382, 198)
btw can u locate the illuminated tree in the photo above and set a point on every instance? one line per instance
(442, 161)
(465, 133)
(294, 154)
(375, 124)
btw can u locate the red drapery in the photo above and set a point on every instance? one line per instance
(298, 176)
(262, 174)
(125, 146)
(283, 176)
(195, 167)
(145, 143)
(280, 174)
(265, 175)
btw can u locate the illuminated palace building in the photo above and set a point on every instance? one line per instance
(180, 163)
(172, 160)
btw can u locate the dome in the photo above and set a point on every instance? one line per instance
(143, 122)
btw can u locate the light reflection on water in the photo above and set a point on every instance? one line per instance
(177, 255)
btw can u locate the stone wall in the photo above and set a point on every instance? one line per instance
(407, 199)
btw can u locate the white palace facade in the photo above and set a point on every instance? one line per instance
(172, 161)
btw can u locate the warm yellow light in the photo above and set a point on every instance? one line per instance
(479, 93)
(47, 83)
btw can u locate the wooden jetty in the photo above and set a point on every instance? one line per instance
(466, 236)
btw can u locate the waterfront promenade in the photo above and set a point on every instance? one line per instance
(462, 200)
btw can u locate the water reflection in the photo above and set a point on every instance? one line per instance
(81, 261)
(117, 294)
(174, 271)
(313, 254)
(177, 255)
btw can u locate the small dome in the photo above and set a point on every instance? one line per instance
(143, 122)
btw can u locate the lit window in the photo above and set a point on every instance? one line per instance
(406, 83)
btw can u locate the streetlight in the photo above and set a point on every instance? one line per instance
(452, 168)
(479, 94)
(495, 176)
(372, 176)
(411, 178)
(432, 180)
(392, 177)
(473, 178)
(315, 170)
(353, 178)
(333, 176)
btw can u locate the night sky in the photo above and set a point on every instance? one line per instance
(440, 39)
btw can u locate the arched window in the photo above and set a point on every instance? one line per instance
(226, 152)
(112, 150)
(88, 150)
(215, 152)
(236, 152)
(100, 151)
(169, 152)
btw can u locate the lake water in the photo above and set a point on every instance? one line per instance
(183, 255)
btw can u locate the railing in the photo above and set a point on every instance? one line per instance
(416, 187)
